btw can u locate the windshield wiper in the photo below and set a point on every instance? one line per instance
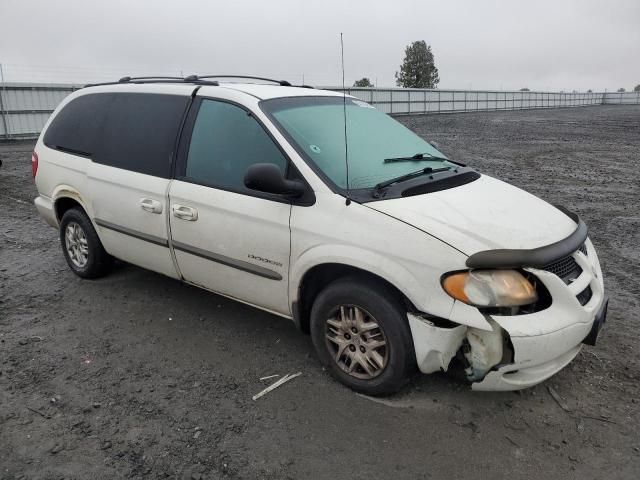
(407, 176)
(415, 158)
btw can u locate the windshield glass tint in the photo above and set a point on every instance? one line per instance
(315, 125)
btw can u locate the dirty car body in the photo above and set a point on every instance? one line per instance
(361, 232)
(521, 348)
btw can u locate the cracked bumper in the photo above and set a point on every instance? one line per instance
(506, 378)
(543, 342)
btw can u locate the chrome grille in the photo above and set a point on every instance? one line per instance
(583, 248)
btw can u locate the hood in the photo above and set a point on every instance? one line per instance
(482, 215)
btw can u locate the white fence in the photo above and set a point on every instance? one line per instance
(622, 98)
(409, 101)
(24, 108)
(417, 101)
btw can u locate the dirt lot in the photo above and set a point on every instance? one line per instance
(136, 375)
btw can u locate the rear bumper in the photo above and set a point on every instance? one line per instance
(44, 205)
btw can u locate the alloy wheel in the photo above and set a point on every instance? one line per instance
(357, 342)
(76, 244)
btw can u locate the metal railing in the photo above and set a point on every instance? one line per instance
(405, 101)
(621, 98)
(25, 107)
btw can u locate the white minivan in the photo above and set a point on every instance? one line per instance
(319, 208)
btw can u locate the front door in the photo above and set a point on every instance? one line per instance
(227, 238)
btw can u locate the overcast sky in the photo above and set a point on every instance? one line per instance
(539, 44)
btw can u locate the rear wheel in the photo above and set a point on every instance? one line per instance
(81, 246)
(360, 332)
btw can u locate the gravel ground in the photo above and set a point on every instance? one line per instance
(139, 376)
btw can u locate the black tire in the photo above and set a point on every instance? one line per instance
(98, 262)
(387, 310)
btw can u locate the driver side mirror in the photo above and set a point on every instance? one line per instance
(267, 177)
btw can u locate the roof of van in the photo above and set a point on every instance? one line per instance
(265, 91)
(258, 90)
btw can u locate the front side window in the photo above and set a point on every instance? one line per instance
(316, 126)
(225, 142)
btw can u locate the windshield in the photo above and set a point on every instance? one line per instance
(315, 126)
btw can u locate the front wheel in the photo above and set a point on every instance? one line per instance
(360, 331)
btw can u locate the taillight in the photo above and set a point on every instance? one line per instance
(34, 164)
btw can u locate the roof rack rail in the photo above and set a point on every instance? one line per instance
(282, 83)
(195, 79)
(156, 79)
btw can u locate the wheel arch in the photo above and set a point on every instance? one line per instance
(318, 276)
(65, 198)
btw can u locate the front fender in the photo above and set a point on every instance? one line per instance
(383, 266)
(358, 236)
(411, 286)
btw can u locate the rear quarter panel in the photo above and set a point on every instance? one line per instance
(62, 175)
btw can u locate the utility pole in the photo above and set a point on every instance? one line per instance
(2, 110)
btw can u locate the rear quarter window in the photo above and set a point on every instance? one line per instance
(132, 131)
(76, 128)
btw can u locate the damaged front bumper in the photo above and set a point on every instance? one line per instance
(536, 358)
(516, 352)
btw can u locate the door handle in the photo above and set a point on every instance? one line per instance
(150, 205)
(184, 213)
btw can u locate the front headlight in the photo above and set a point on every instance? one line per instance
(490, 288)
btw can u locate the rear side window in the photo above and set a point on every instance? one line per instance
(76, 128)
(132, 131)
(225, 142)
(140, 132)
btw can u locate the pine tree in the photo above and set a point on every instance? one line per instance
(418, 70)
(363, 82)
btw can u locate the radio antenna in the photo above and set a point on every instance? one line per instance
(344, 112)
